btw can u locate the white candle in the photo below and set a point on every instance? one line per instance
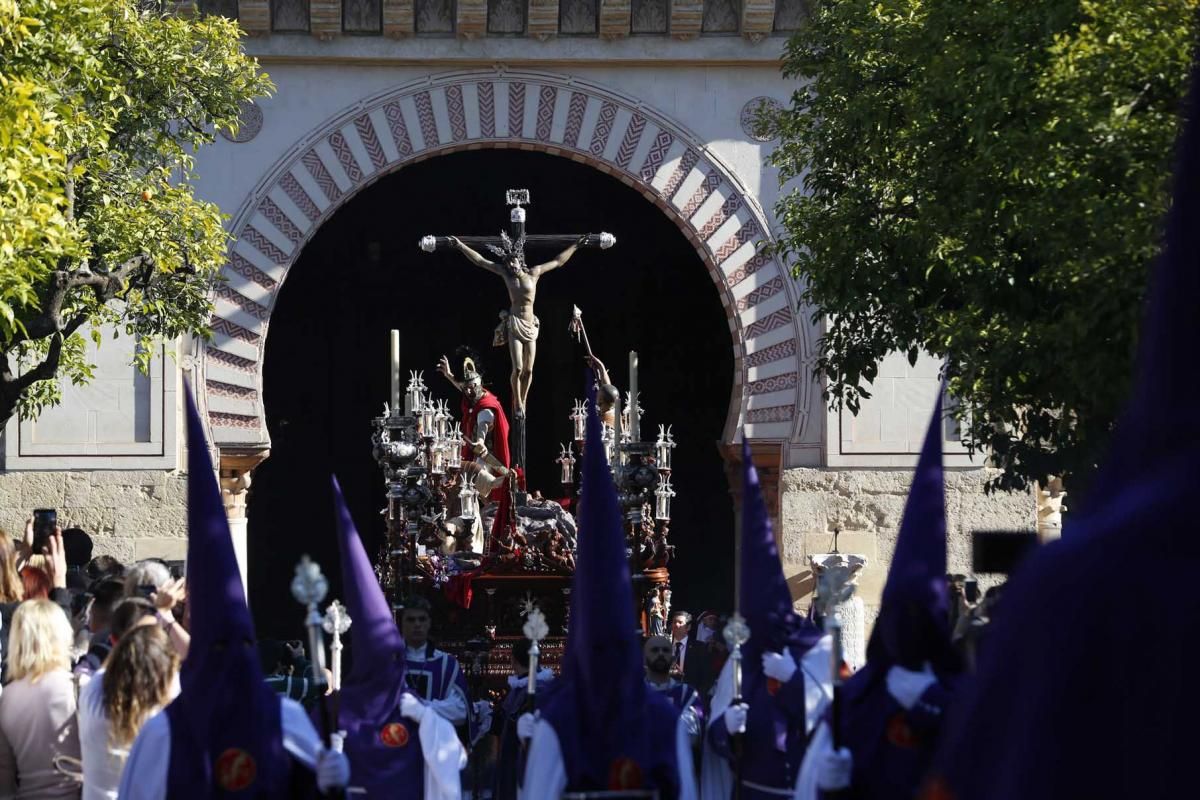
(395, 406)
(635, 418)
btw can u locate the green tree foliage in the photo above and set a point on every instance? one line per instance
(102, 105)
(985, 181)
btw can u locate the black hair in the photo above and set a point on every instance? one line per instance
(103, 567)
(418, 603)
(107, 591)
(77, 547)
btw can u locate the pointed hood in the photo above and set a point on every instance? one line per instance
(225, 728)
(602, 711)
(1064, 704)
(765, 599)
(372, 689)
(914, 624)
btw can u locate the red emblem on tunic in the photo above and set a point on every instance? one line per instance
(899, 734)
(235, 770)
(773, 686)
(394, 734)
(624, 774)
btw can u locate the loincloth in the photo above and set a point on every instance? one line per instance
(517, 329)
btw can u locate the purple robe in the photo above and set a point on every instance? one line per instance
(510, 761)
(432, 677)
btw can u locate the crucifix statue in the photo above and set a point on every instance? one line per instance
(518, 326)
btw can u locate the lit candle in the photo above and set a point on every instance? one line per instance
(635, 418)
(395, 405)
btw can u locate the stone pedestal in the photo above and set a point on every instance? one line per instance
(236, 466)
(1050, 508)
(853, 612)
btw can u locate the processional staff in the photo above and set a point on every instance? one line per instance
(736, 634)
(336, 622)
(309, 587)
(835, 589)
(535, 630)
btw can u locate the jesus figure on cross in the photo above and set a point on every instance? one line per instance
(519, 325)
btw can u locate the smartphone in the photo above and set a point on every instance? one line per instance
(45, 520)
(971, 590)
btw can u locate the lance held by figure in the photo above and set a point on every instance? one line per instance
(519, 326)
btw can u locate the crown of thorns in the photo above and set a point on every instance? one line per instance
(508, 248)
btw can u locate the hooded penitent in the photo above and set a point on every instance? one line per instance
(777, 719)
(1087, 684)
(225, 724)
(383, 748)
(612, 731)
(892, 748)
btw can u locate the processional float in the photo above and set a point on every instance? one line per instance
(463, 529)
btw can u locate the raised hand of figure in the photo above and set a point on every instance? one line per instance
(56, 559)
(333, 770)
(780, 666)
(735, 718)
(834, 768)
(170, 594)
(443, 367)
(412, 708)
(525, 725)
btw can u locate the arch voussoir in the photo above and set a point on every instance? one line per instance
(555, 114)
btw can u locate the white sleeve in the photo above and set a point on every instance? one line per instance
(806, 777)
(145, 775)
(545, 775)
(683, 760)
(445, 758)
(300, 738)
(817, 664)
(452, 707)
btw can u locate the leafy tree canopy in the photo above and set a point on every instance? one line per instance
(102, 105)
(985, 181)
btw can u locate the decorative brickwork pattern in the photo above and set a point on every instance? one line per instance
(366, 134)
(263, 245)
(395, 120)
(684, 168)
(456, 112)
(516, 110)
(226, 292)
(425, 117)
(776, 319)
(768, 289)
(280, 220)
(604, 126)
(545, 112)
(778, 383)
(312, 162)
(345, 156)
(295, 192)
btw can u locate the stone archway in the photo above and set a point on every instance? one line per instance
(551, 113)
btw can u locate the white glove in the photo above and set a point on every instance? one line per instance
(735, 718)
(412, 708)
(525, 724)
(907, 686)
(780, 666)
(333, 771)
(833, 769)
(483, 713)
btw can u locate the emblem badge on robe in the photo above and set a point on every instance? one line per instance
(624, 774)
(235, 770)
(394, 734)
(900, 734)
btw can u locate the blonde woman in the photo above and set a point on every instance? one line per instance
(37, 709)
(138, 679)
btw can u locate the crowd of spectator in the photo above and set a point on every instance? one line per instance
(89, 650)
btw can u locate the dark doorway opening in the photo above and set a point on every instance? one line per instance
(326, 369)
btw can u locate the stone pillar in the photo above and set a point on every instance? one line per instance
(853, 612)
(236, 465)
(767, 458)
(1050, 508)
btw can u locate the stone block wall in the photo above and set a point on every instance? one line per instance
(866, 506)
(130, 514)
